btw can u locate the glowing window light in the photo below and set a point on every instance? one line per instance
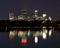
(36, 11)
(36, 39)
(44, 15)
(11, 18)
(44, 35)
(50, 18)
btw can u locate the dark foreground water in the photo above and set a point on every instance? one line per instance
(51, 42)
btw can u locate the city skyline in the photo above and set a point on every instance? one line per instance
(24, 16)
(50, 7)
(34, 32)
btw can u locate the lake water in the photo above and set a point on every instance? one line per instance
(52, 41)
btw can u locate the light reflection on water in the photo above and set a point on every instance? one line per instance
(47, 37)
(44, 32)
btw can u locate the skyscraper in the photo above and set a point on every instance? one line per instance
(35, 16)
(11, 16)
(22, 15)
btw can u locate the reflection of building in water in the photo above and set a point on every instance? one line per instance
(21, 34)
(36, 39)
(12, 34)
(44, 35)
(24, 40)
(24, 34)
(28, 33)
(50, 33)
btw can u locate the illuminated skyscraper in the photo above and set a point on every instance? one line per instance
(44, 17)
(24, 11)
(11, 16)
(35, 12)
(22, 15)
(36, 16)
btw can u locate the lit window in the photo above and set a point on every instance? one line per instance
(44, 15)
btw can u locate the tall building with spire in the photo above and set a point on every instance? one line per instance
(35, 16)
(11, 15)
(23, 14)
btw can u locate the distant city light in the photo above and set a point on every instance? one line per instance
(36, 11)
(20, 17)
(11, 16)
(50, 18)
(44, 15)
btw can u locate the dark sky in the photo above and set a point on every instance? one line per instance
(51, 7)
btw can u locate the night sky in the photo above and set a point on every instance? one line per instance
(50, 7)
